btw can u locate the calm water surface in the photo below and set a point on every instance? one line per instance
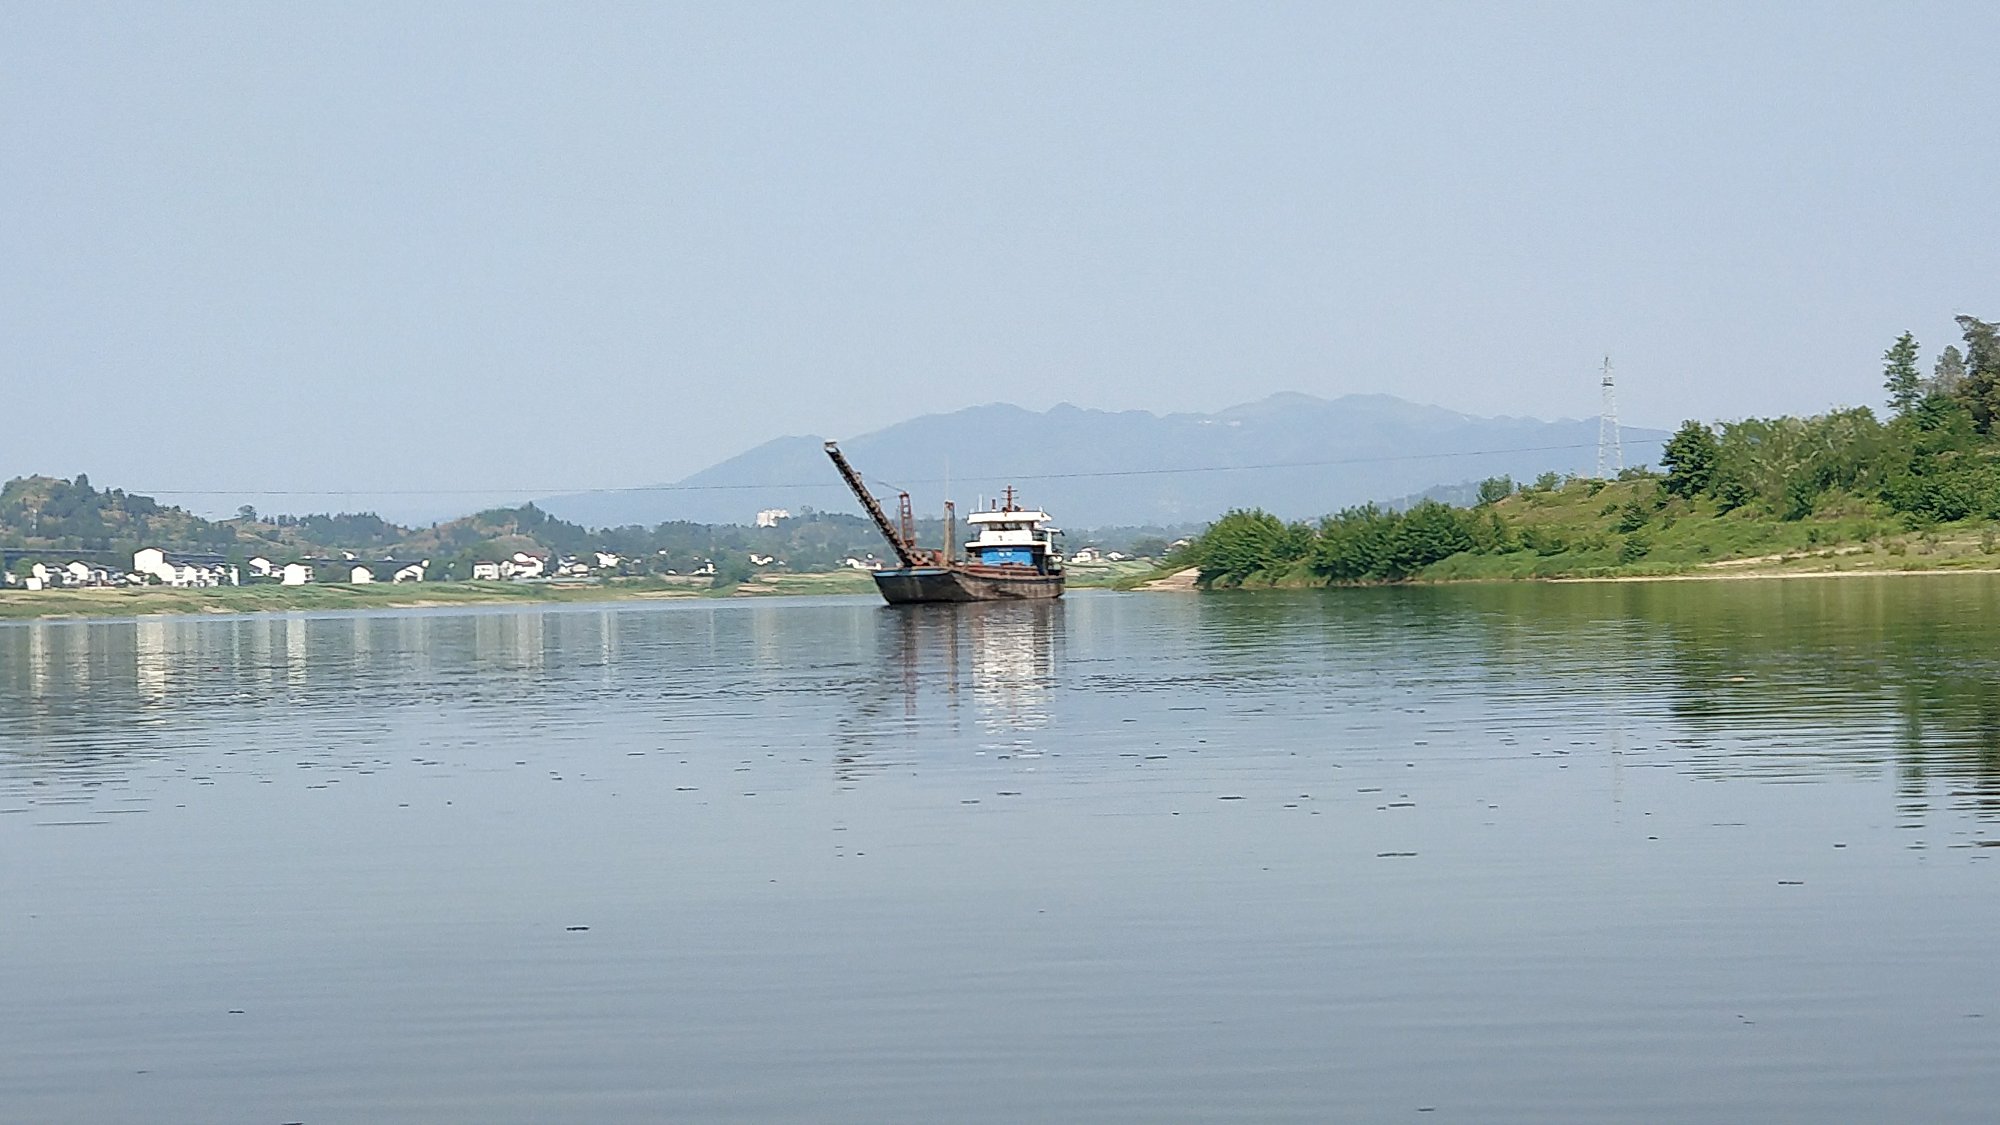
(1670, 852)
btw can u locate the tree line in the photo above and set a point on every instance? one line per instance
(49, 517)
(1934, 459)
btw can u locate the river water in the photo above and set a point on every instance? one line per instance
(1650, 852)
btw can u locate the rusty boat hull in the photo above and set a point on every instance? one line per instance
(959, 582)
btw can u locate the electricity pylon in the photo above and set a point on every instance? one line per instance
(1610, 446)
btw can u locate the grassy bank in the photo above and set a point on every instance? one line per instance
(1627, 529)
(1587, 529)
(144, 601)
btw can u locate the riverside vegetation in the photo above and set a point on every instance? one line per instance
(1838, 491)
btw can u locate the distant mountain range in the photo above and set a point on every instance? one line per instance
(1292, 454)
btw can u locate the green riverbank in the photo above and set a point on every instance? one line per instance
(144, 601)
(1580, 530)
(140, 601)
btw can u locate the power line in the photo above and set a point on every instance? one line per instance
(1087, 475)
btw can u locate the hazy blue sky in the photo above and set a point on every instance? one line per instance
(344, 246)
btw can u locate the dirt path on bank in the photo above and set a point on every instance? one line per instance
(1179, 580)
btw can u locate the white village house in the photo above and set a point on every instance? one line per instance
(361, 572)
(175, 569)
(522, 565)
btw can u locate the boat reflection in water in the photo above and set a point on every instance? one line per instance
(1013, 649)
(1003, 653)
(985, 666)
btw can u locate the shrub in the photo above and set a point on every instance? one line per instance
(1633, 515)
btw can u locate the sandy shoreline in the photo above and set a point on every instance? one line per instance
(1184, 580)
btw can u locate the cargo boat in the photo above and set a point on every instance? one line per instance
(1015, 555)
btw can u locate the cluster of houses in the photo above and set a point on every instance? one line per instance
(150, 567)
(348, 569)
(524, 566)
(154, 566)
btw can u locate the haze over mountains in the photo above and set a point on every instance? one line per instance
(1292, 454)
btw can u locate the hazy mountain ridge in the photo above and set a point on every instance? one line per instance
(1293, 454)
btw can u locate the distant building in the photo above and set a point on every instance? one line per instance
(361, 572)
(76, 573)
(294, 574)
(769, 517)
(181, 569)
(486, 572)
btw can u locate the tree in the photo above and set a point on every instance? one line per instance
(1899, 375)
(1981, 390)
(1689, 458)
(1949, 374)
(1982, 345)
(1354, 544)
(1428, 533)
(1246, 542)
(1495, 488)
(733, 570)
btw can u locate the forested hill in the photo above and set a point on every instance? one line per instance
(1846, 489)
(51, 519)
(56, 512)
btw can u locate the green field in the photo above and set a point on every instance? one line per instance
(147, 600)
